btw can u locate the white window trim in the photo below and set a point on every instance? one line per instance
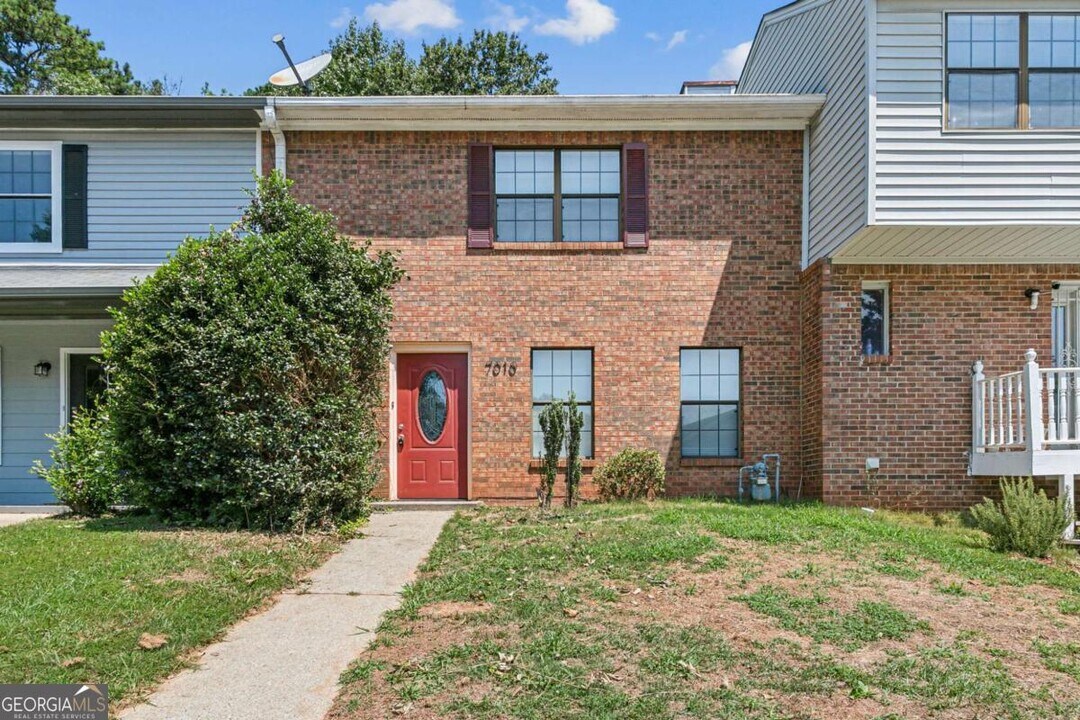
(65, 370)
(887, 325)
(57, 244)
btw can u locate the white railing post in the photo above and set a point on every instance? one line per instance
(1033, 394)
(978, 393)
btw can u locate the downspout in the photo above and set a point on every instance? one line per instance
(270, 122)
(806, 197)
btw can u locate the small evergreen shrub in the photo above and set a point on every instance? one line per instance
(631, 475)
(553, 426)
(83, 472)
(575, 419)
(246, 372)
(1025, 521)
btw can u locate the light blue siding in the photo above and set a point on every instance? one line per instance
(30, 405)
(147, 191)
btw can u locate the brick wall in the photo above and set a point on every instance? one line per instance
(722, 271)
(914, 412)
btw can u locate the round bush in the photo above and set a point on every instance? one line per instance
(631, 475)
(245, 373)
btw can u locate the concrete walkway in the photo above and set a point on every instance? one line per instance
(284, 663)
(14, 518)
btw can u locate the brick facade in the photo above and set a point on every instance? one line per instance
(912, 411)
(722, 271)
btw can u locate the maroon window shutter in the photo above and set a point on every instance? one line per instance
(635, 196)
(481, 228)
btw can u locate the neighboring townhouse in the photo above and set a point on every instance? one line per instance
(941, 242)
(93, 193)
(642, 252)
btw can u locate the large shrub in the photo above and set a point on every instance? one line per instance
(1026, 521)
(631, 475)
(245, 372)
(83, 472)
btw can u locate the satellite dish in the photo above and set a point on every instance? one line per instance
(298, 74)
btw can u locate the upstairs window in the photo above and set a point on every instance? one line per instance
(1054, 70)
(29, 196)
(1013, 71)
(553, 195)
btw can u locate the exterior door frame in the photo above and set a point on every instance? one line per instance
(414, 348)
(65, 371)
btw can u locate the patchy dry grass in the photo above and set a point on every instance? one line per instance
(694, 609)
(125, 601)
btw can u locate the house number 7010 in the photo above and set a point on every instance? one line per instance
(495, 369)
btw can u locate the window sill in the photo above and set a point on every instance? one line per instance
(587, 464)
(560, 247)
(877, 360)
(731, 462)
(1010, 131)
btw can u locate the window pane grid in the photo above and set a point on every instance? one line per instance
(989, 87)
(586, 195)
(555, 373)
(25, 196)
(709, 402)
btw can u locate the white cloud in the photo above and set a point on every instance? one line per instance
(677, 38)
(655, 37)
(342, 19)
(585, 21)
(409, 16)
(730, 64)
(505, 17)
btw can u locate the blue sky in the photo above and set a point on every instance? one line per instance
(595, 46)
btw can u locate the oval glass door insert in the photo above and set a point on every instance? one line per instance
(431, 406)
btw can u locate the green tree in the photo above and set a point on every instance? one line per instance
(365, 62)
(43, 53)
(491, 63)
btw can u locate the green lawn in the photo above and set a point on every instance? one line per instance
(699, 609)
(76, 596)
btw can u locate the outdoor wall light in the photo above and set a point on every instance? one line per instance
(1032, 294)
(42, 369)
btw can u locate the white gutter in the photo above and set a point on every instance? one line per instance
(547, 113)
(270, 122)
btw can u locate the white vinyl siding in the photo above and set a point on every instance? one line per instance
(147, 191)
(927, 176)
(822, 49)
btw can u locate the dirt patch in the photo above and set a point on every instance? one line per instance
(444, 610)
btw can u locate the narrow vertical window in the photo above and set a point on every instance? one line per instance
(1054, 70)
(555, 374)
(875, 318)
(709, 402)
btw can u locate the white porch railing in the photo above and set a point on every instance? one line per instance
(1035, 409)
(1027, 423)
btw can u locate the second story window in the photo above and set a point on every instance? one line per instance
(1016, 70)
(552, 195)
(28, 196)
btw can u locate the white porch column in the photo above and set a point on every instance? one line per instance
(1033, 423)
(1067, 489)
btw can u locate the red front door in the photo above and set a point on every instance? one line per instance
(432, 432)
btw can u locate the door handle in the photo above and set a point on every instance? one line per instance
(400, 441)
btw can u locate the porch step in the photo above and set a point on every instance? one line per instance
(422, 505)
